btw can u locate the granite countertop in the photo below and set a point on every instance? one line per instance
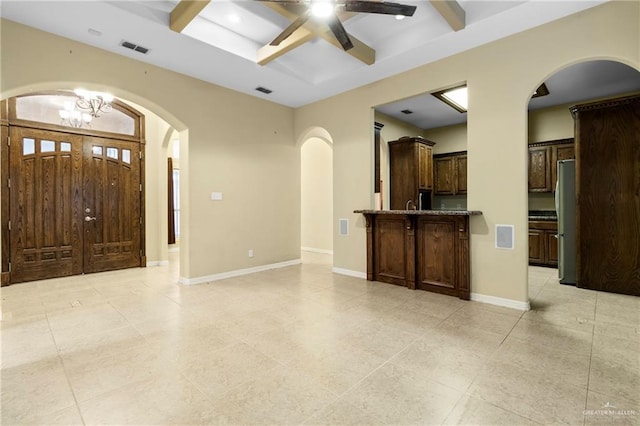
(423, 212)
(549, 215)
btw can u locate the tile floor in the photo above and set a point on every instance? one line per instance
(301, 345)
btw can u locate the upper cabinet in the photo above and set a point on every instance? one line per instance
(411, 172)
(450, 173)
(543, 159)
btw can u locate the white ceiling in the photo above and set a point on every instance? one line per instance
(215, 49)
(577, 83)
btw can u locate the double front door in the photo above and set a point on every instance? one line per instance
(75, 204)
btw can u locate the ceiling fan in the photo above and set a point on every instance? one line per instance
(327, 10)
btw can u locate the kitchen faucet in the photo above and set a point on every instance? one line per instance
(410, 202)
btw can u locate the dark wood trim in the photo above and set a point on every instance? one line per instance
(410, 250)
(553, 142)
(4, 113)
(463, 266)
(408, 139)
(370, 244)
(607, 103)
(171, 223)
(5, 279)
(376, 157)
(4, 205)
(450, 154)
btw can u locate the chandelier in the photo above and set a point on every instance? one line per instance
(71, 117)
(88, 106)
(95, 103)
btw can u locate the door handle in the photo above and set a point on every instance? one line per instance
(89, 219)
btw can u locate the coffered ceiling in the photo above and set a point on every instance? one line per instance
(225, 41)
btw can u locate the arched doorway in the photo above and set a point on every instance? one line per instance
(146, 189)
(554, 232)
(316, 193)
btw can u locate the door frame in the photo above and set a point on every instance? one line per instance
(8, 118)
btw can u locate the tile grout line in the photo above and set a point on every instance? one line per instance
(593, 335)
(64, 368)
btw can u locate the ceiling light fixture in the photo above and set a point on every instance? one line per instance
(541, 91)
(400, 17)
(455, 97)
(95, 103)
(322, 8)
(233, 18)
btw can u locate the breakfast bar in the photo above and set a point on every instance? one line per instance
(420, 249)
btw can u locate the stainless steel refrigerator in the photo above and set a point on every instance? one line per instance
(566, 211)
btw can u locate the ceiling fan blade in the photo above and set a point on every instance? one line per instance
(290, 29)
(339, 31)
(382, 7)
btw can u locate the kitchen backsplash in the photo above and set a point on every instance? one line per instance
(450, 202)
(544, 201)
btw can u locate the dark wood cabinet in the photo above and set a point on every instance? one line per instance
(419, 250)
(444, 176)
(543, 159)
(442, 247)
(543, 244)
(540, 169)
(608, 195)
(410, 172)
(450, 173)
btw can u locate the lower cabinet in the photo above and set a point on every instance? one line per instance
(543, 243)
(420, 251)
(442, 247)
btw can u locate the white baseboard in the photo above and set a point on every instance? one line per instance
(350, 273)
(499, 301)
(239, 272)
(157, 263)
(316, 250)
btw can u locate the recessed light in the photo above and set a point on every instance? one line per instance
(233, 18)
(400, 17)
(406, 111)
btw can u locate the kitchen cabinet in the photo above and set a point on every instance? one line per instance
(543, 244)
(450, 173)
(608, 195)
(543, 157)
(411, 172)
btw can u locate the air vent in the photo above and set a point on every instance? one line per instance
(504, 237)
(135, 47)
(263, 90)
(343, 227)
(406, 111)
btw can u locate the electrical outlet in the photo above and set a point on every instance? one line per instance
(251, 253)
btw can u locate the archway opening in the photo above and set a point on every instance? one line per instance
(316, 196)
(555, 241)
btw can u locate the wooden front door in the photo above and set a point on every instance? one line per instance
(45, 199)
(75, 204)
(111, 189)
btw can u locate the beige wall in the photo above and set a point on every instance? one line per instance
(316, 195)
(234, 143)
(500, 77)
(448, 138)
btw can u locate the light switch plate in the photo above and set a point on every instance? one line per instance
(216, 196)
